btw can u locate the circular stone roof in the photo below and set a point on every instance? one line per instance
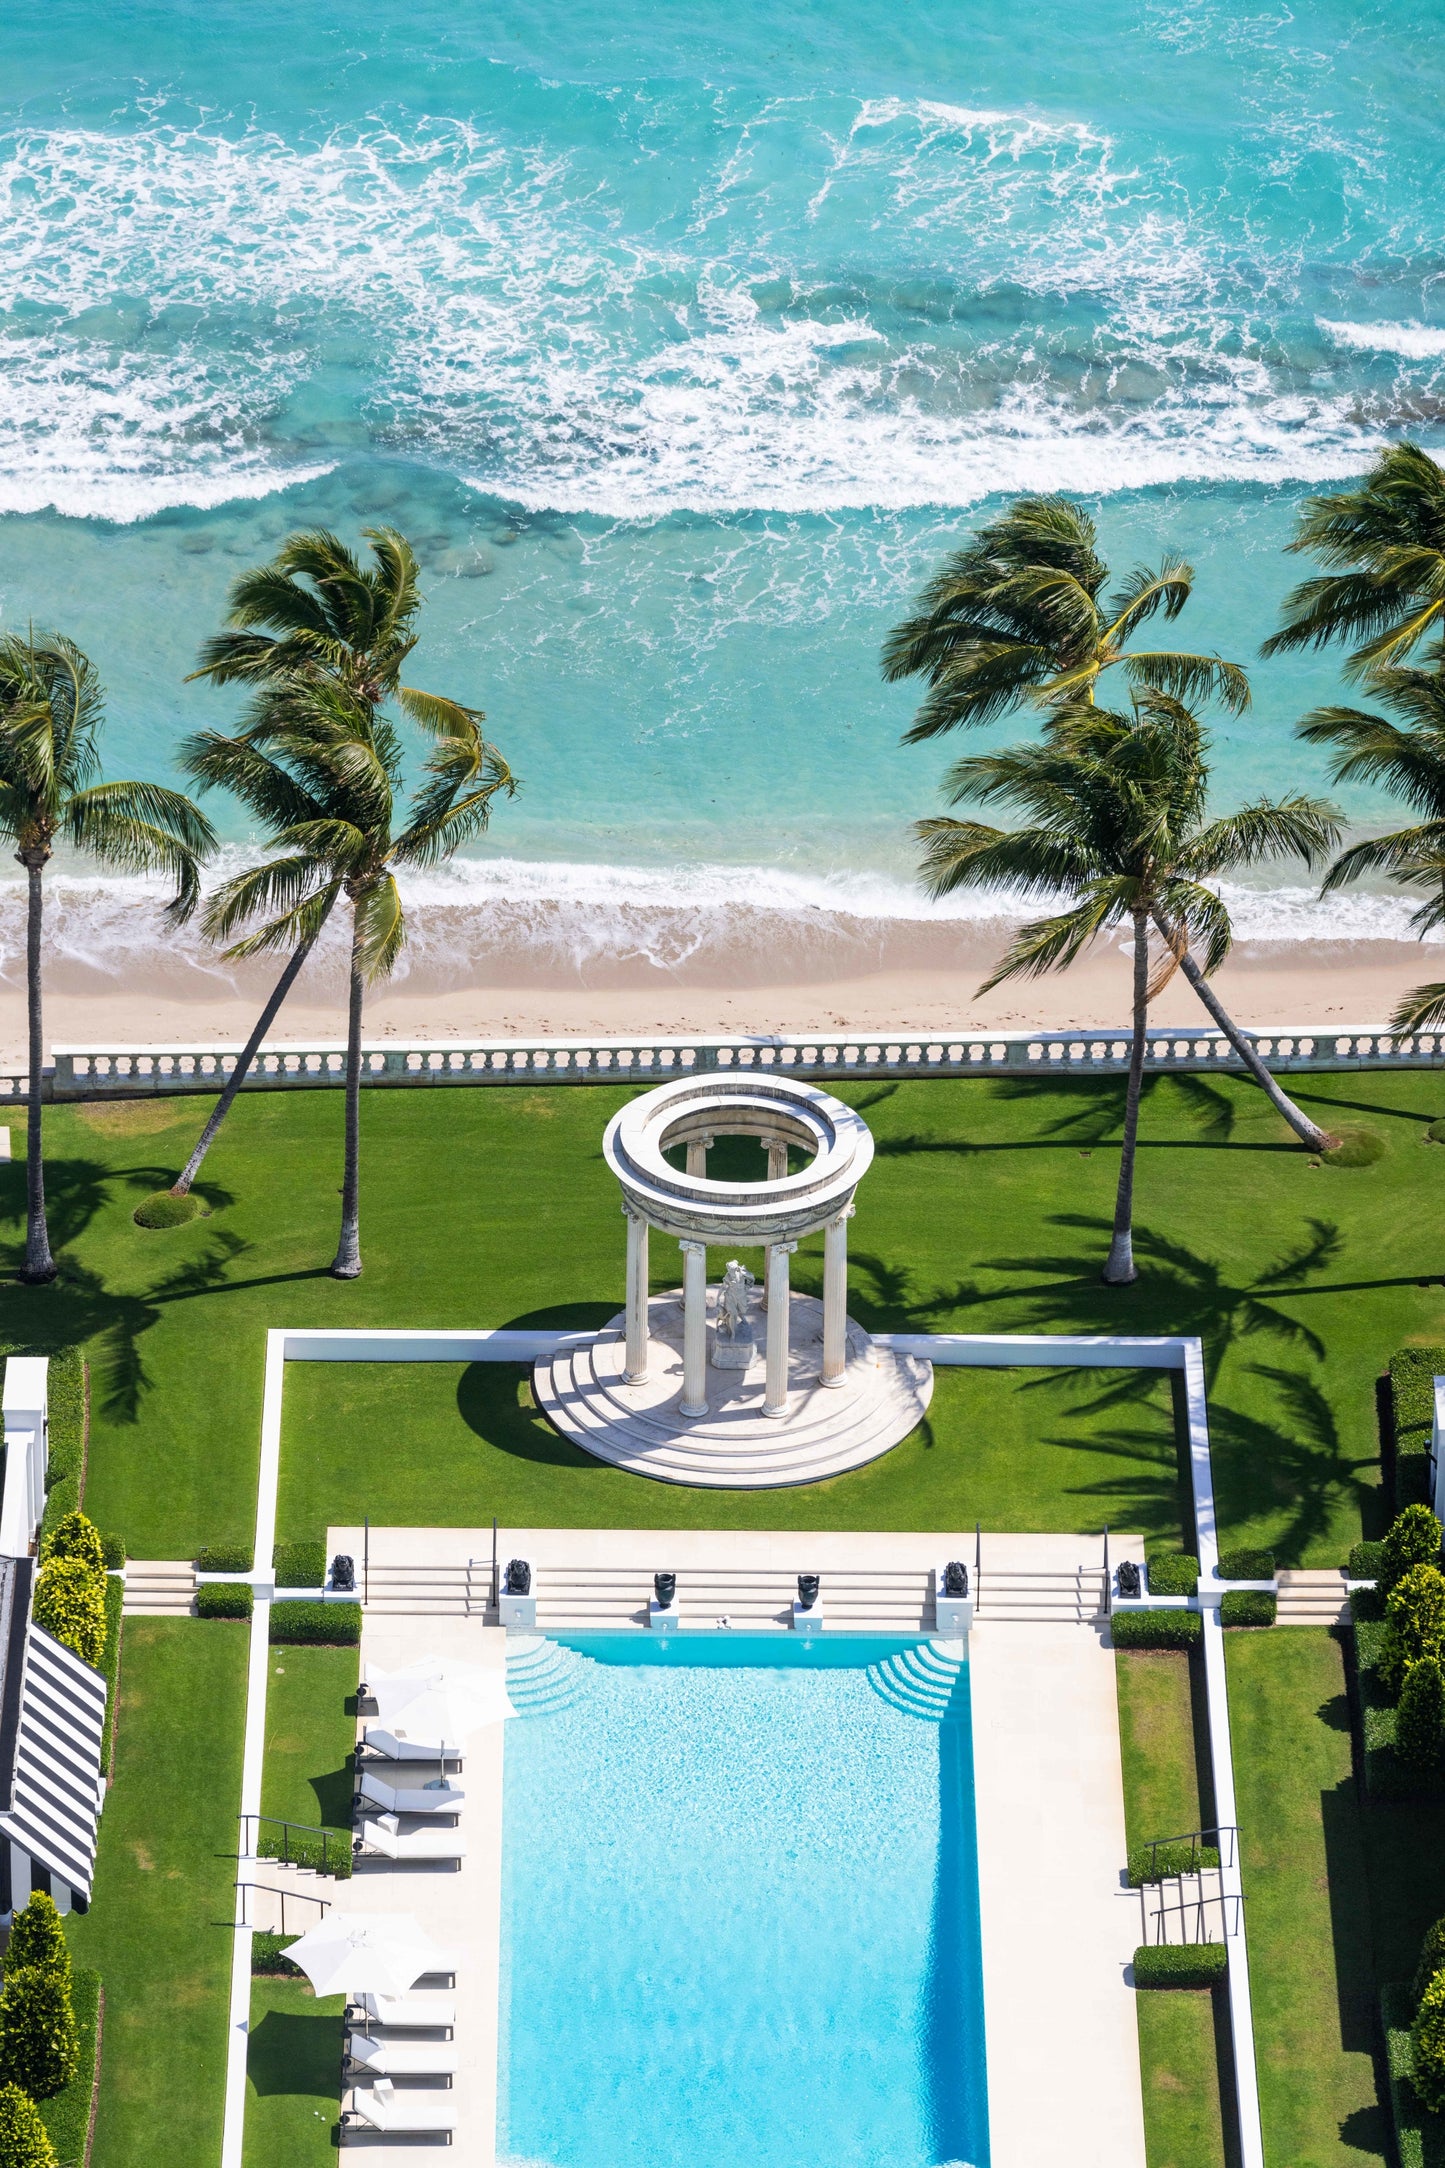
(692, 1207)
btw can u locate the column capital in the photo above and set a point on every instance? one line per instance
(630, 1212)
(691, 1248)
(847, 1213)
(781, 1249)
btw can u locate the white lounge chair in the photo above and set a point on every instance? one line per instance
(425, 1799)
(395, 1746)
(385, 2109)
(386, 1837)
(407, 2013)
(403, 2058)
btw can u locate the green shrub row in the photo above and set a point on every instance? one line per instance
(67, 2116)
(1246, 1565)
(1386, 1775)
(1156, 1629)
(114, 1608)
(1173, 1573)
(39, 2043)
(1248, 1607)
(1412, 1401)
(1159, 1862)
(24, 2140)
(1180, 1964)
(268, 1956)
(114, 1552)
(1419, 2135)
(311, 1622)
(1363, 1563)
(332, 1857)
(301, 1565)
(225, 1599)
(66, 1460)
(225, 1558)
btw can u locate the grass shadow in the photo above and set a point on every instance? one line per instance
(295, 2052)
(495, 1402)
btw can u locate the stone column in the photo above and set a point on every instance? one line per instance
(635, 1370)
(775, 1393)
(694, 1329)
(777, 1159)
(697, 1153)
(835, 1298)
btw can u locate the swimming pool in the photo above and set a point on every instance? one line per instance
(740, 1906)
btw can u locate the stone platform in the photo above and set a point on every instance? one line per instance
(827, 1429)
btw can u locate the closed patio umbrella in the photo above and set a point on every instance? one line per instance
(367, 1953)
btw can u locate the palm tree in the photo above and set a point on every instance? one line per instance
(51, 712)
(1385, 545)
(1408, 757)
(1116, 813)
(1016, 616)
(313, 612)
(322, 768)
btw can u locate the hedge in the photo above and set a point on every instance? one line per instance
(334, 1857)
(1414, 1622)
(1413, 1538)
(268, 1956)
(1173, 1573)
(66, 1435)
(67, 2115)
(1180, 1964)
(114, 1607)
(39, 2044)
(1248, 1607)
(37, 1939)
(70, 1605)
(225, 1599)
(1363, 1563)
(1246, 1566)
(1419, 2135)
(1160, 1862)
(331, 1625)
(225, 1558)
(1156, 1629)
(1386, 1776)
(1412, 1399)
(114, 1552)
(24, 2141)
(1420, 1717)
(301, 1565)
(1432, 1960)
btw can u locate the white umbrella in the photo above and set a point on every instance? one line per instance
(367, 1953)
(439, 1701)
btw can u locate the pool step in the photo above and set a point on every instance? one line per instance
(543, 1678)
(1312, 1596)
(159, 1588)
(923, 1681)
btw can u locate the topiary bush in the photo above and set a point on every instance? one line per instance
(1432, 1959)
(301, 1565)
(161, 1209)
(1414, 1623)
(1420, 1718)
(113, 1551)
(74, 1536)
(268, 1960)
(225, 1599)
(1365, 1561)
(37, 1939)
(1173, 1573)
(1246, 1566)
(1180, 1964)
(225, 1558)
(1427, 2045)
(24, 2141)
(39, 2045)
(1412, 1539)
(1356, 1148)
(1248, 1607)
(326, 1625)
(1156, 1629)
(70, 1604)
(1161, 1862)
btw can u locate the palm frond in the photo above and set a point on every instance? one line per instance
(381, 927)
(1051, 944)
(1422, 1009)
(1146, 592)
(1189, 677)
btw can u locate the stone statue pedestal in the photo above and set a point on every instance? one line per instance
(738, 1353)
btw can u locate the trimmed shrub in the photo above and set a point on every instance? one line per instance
(112, 1550)
(37, 1939)
(1156, 1629)
(67, 2116)
(161, 1209)
(73, 1536)
(1427, 2045)
(1248, 1607)
(1158, 1862)
(70, 1604)
(1173, 1573)
(1180, 1964)
(1414, 1623)
(1356, 1148)
(39, 2046)
(301, 1565)
(225, 1599)
(1246, 1565)
(1420, 1718)
(1412, 1410)
(269, 1960)
(308, 1621)
(1412, 1539)
(1365, 1561)
(225, 1558)
(1432, 1960)
(67, 1437)
(114, 1607)
(24, 2142)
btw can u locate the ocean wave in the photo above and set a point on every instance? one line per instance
(1416, 342)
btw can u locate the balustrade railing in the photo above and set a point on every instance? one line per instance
(128, 1071)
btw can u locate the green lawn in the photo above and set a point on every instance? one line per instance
(310, 1734)
(1178, 2030)
(987, 1209)
(159, 1929)
(293, 2070)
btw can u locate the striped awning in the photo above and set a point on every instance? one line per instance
(54, 1803)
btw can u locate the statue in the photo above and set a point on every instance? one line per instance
(1129, 1579)
(518, 1578)
(733, 1337)
(955, 1578)
(343, 1572)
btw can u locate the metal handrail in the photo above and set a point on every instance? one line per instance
(1195, 1908)
(1195, 1838)
(301, 1896)
(328, 1837)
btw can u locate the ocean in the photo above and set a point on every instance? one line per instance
(683, 341)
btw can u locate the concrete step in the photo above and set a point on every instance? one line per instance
(1312, 1596)
(159, 1588)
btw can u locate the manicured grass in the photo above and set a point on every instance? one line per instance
(1177, 2028)
(293, 2071)
(310, 1734)
(987, 1209)
(158, 1931)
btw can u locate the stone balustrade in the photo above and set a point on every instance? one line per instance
(137, 1071)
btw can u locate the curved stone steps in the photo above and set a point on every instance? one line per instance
(922, 1681)
(543, 1677)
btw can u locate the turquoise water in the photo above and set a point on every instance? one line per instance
(740, 1907)
(683, 341)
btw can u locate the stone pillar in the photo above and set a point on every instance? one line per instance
(835, 1298)
(697, 1153)
(777, 1159)
(694, 1329)
(635, 1370)
(775, 1393)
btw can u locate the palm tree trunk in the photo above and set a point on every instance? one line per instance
(39, 1264)
(1308, 1132)
(346, 1265)
(242, 1069)
(1119, 1270)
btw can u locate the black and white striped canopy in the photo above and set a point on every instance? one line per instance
(53, 1786)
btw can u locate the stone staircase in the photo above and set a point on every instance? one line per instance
(1312, 1596)
(756, 1599)
(1073, 1597)
(159, 1588)
(925, 1681)
(454, 1591)
(1189, 1908)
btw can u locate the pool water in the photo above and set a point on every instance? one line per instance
(740, 1906)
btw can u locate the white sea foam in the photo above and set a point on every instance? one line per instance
(1416, 342)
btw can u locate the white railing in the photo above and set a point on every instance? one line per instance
(96, 1072)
